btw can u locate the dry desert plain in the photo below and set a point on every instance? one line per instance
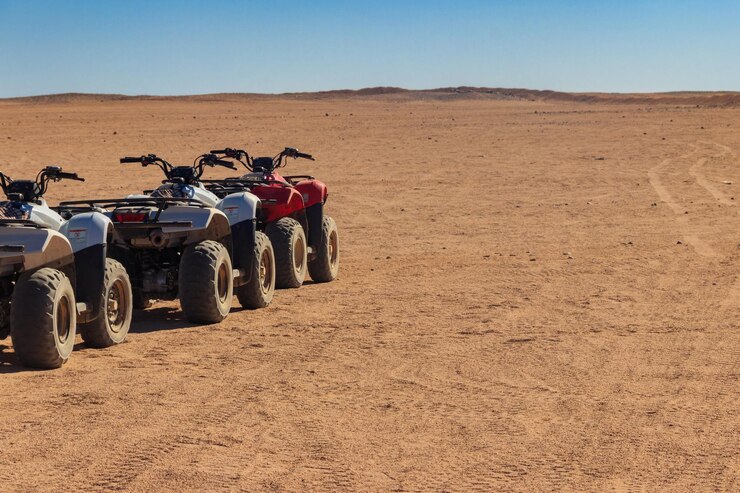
(534, 295)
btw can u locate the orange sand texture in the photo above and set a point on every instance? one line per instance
(535, 294)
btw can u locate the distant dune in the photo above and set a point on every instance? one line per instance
(723, 98)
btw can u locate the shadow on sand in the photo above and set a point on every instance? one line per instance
(144, 321)
(9, 362)
(160, 318)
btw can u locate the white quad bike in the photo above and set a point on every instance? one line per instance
(181, 241)
(56, 274)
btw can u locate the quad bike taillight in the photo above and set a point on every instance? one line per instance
(131, 217)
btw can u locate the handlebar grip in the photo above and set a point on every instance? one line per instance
(69, 176)
(130, 160)
(225, 164)
(304, 156)
(219, 151)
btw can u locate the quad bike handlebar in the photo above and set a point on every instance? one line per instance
(293, 152)
(211, 159)
(181, 174)
(55, 173)
(30, 190)
(239, 155)
(265, 164)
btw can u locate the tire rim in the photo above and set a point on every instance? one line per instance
(222, 282)
(333, 248)
(64, 319)
(299, 253)
(266, 271)
(116, 308)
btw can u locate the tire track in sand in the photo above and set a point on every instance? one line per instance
(701, 247)
(732, 300)
(701, 179)
(133, 459)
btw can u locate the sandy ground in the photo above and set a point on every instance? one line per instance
(533, 296)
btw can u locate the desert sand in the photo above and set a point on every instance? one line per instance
(534, 295)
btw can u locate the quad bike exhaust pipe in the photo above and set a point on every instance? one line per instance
(157, 238)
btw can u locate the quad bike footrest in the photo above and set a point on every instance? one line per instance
(240, 277)
(82, 308)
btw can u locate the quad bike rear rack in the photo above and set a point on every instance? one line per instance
(161, 203)
(244, 182)
(293, 179)
(228, 186)
(222, 192)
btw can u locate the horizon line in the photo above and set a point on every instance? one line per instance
(383, 90)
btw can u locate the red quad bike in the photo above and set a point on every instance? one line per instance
(292, 215)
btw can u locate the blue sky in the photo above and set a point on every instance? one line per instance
(192, 47)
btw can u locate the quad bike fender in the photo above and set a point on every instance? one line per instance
(206, 224)
(24, 249)
(174, 226)
(242, 210)
(243, 237)
(86, 230)
(278, 202)
(314, 219)
(312, 191)
(239, 207)
(88, 233)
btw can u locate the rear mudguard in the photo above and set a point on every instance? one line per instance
(195, 224)
(314, 195)
(278, 202)
(25, 249)
(241, 209)
(88, 233)
(207, 223)
(315, 219)
(238, 207)
(312, 191)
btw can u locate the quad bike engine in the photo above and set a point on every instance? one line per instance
(160, 281)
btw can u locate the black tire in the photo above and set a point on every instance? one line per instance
(324, 264)
(258, 292)
(43, 318)
(206, 282)
(4, 317)
(289, 243)
(114, 320)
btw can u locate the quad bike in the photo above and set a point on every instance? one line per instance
(181, 241)
(56, 274)
(292, 215)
